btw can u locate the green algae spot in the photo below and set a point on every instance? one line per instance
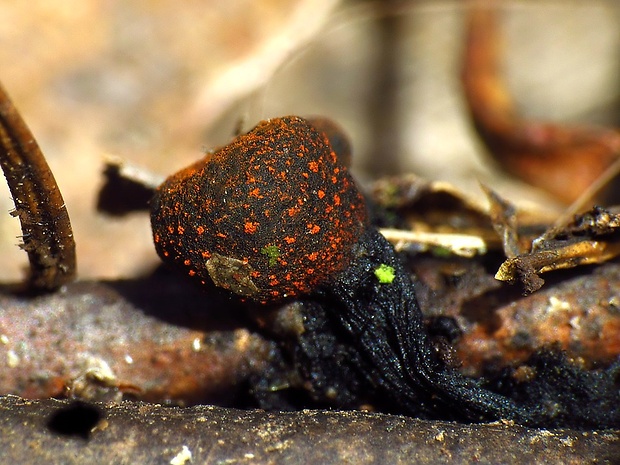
(385, 274)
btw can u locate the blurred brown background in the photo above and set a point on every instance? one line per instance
(159, 82)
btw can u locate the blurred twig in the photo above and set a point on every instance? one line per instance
(563, 160)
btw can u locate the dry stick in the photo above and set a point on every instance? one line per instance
(47, 234)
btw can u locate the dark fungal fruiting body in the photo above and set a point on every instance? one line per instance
(276, 215)
(268, 216)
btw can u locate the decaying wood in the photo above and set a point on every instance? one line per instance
(155, 339)
(33, 432)
(163, 339)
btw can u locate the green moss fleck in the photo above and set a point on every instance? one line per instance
(385, 274)
(272, 252)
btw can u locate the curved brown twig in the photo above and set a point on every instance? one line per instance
(47, 234)
(566, 161)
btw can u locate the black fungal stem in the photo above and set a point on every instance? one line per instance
(385, 324)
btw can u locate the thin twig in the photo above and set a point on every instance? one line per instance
(47, 234)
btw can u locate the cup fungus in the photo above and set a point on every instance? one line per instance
(274, 215)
